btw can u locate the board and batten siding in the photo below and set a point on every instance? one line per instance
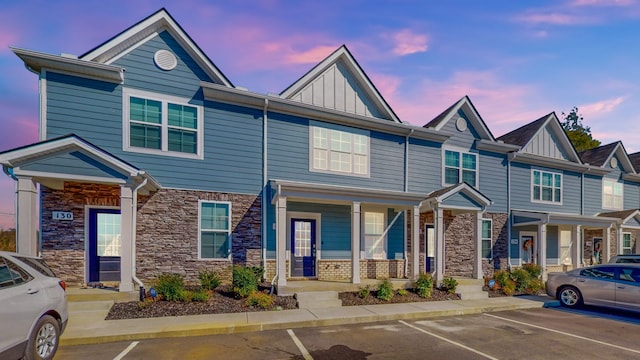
(521, 190)
(545, 143)
(425, 166)
(288, 156)
(493, 180)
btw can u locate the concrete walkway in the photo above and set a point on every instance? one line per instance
(87, 324)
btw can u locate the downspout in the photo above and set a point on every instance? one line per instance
(275, 276)
(509, 219)
(406, 161)
(134, 216)
(264, 205)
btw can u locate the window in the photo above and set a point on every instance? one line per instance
(546, 187)
(612, 195)
(626, 243)
(565, 247)
(215, 230)
(338, 151)
(486, 238)
(599, 273)
(460, 167)
(374, 239)
(160, 124)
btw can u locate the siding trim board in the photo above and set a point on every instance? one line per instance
(562, 219)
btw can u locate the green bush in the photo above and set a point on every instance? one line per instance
(170, 286)
(200, 296)
(449, 284)
(403, 292)
(509, 288)
(260, 299)
(185, 295)
(521, 277)
(535, 285)
(258, 271)
(534, 270)
(424, 285)
(501, 277)
(244, 281)
(385, 290)
(364, 292)
(209, 280)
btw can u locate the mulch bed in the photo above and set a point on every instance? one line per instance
(352, 299)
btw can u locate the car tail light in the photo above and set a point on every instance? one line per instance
(62, 285)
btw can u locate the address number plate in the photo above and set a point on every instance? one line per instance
(62, 215)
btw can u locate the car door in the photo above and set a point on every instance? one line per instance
(628, 288)
(598, 285)
(21, 303)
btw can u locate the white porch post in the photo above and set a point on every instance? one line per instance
(606, 251)
(415, 243)
(355, 242)
(126, 245)
(576, 241)
(619, 238)
(542, 251)
(281, 240)
(477, 269)
(27, 217)
(440, 260)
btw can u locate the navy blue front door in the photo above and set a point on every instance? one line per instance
(104, 245)
(303, 247)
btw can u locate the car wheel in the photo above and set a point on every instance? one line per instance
(570, 297)
(43, 341)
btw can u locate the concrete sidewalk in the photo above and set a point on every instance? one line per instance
(87, 324)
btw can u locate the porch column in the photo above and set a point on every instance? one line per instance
(606, 251)
(542, 251)
(355, 242)
(281, 240)
(477, 269)
(576, 241)
(415, 243)
(126, 245)
(619, 238)
(27, 217)
(438, 214)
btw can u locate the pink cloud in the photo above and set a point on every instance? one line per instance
(407, 42)
(552, 18)
(600, 108)
(311, 56)
(579, 3)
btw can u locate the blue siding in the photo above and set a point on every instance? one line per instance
(461, 139)
(521, 190)
(395, 236)
(632, 222)
(74, 163)
(335, 228)
(592, 194)
(493, 180)
(425, 166)
(631, 195)
(289, 156)
(462, 200)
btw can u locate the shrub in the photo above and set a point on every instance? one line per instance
(145, 303)
(509, 288)
(535, 285)
(521, 277)
(385, 290)
(258, 271)
(501, 277)
(209, 280)
(185, 295)
(424, 285)
(403, 292)
(364, 292)
(170, 286)
(449, 284)
(534, 270)
(200, 296)
(260, 299)
(244, 281)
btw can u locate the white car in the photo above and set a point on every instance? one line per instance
(33, 308)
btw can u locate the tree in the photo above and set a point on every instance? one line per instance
(578, 134)
(7, 240)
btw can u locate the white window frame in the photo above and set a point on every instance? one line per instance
(628, 248)
(489, 239)
(460, 168)
(567, 260)
(127, 93)
(613, 183)
(383, 255)
(328, 151)
(228, 231)
(553, 187)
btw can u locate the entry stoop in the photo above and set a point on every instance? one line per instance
(471, 289)
(317, 299)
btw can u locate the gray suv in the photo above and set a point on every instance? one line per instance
(625, 259)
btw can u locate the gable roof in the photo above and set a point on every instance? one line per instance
(340, 59)
(155, 23)
(635, 161)
(524, 135)
(467, 107)
(601, 155)
(441, 195)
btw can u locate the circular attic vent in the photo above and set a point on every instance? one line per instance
(461, 124)
(165, 60)
(613, 162)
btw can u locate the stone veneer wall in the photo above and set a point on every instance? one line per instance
(63, 242)
(613, 246)
(167, 234)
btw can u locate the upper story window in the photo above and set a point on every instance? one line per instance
(546, 187)
(215, 230)
(460, 167)
(339, 152)
(612, 195)
(162, 124)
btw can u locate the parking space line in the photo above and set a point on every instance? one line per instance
(449, 341)
(126, 351)
(564, 333)
(301, 347)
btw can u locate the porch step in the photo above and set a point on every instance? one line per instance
(471, 289)
(80, 295)
(317, 299)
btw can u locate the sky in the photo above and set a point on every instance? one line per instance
(516, 60)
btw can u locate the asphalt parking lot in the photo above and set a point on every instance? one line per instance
(523, 334)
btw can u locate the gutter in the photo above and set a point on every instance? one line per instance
(133, 238)
(510, 219)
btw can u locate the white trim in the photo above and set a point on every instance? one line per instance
(534, 250)
(87, 220)
(614, 183)
(42, 88)
(229, 230)
(127, 93)
(622, 247)
(553, 187)
(69, 177)
(352, 155)
(317, 217)
(460, 151)
(482, 239)
(131, 48)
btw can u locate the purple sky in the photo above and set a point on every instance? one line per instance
(517, 60)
